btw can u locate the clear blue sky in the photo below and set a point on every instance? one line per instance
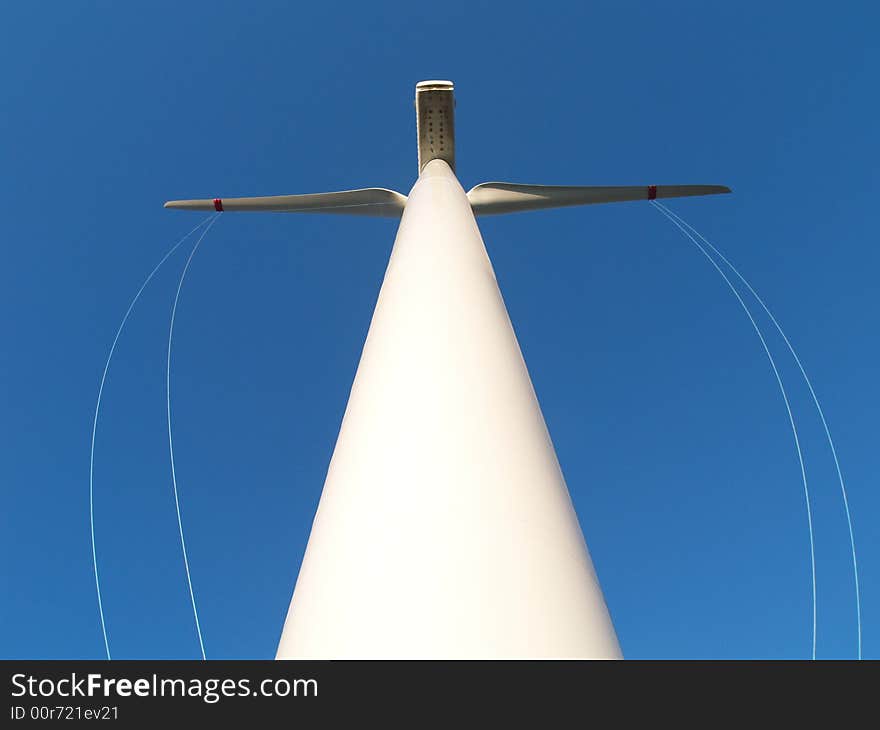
(663, 409)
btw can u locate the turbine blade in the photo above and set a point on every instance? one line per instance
(367, 201)
(493, 198)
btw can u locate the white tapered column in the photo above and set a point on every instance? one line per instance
(445, 529)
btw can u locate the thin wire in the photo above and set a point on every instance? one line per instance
(794, 432)
(95, 426)
(821, 413)
(170, 440)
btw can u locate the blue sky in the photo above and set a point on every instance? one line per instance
(662, 406)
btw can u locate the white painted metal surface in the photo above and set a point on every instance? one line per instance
(445, 528)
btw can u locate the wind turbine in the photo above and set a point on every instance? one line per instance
(445, 528)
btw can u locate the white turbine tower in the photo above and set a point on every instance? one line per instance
(445, 528)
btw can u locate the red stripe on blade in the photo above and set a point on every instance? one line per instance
(652, 192)
(218, 205)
